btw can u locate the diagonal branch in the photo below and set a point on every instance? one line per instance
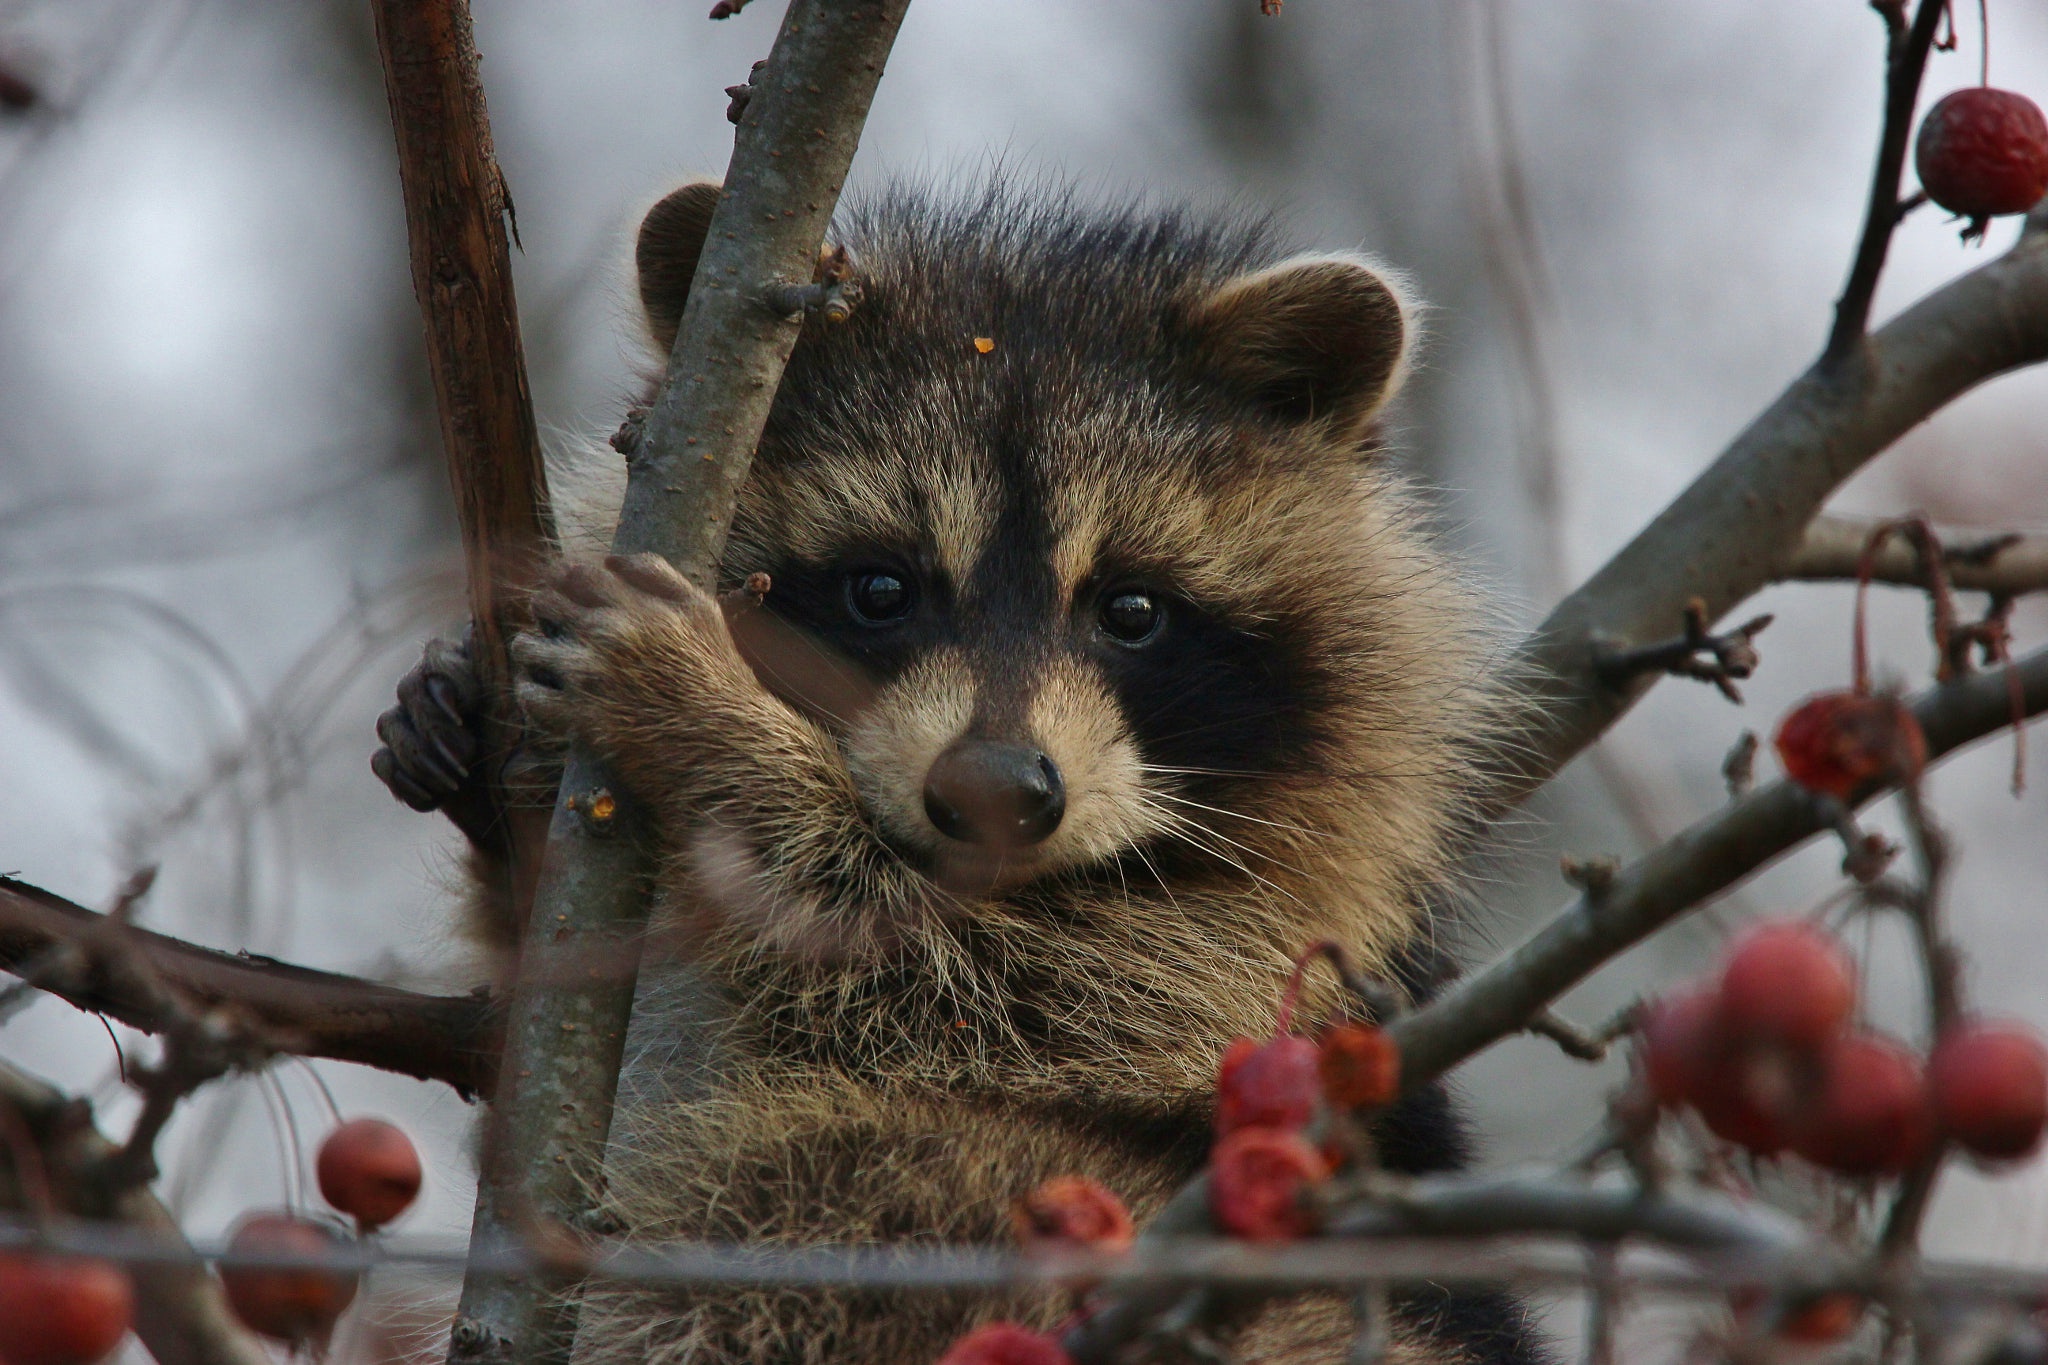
(1735, 528)
(796, 140)
(313, 1013)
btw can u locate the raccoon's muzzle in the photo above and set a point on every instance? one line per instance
(999, 796)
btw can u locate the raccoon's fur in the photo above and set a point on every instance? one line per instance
(1079, 504)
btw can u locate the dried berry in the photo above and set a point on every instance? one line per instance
(297, 1305)
(1787, 983)
(1257, 1177)
(1071, 1211)
(1360, 1067)
(1869, 1115)
(1989, 1087)
(1983, 152)
(1836, 743)
(1005, 1343)
(370, 1170)
(1681, 1038)
(1267, 1085)
(61, 1310)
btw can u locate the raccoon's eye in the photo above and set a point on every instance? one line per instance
(879, 597)
(1131, 616)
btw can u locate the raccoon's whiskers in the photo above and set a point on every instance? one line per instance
(1179, 826)
(1233, 814)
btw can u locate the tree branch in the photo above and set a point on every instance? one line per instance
(1735, 528)
(796, 139)
(1719, 851)
(456, 207)
(2005, 564)
(1905, 61)
(296, 1009)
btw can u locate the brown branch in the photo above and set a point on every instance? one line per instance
(313, 1013)
(1905, 60)
(2005, 564)
(1730, 532)
(1705, 860)
(456, 208)
(180, 1313)
(795, 142)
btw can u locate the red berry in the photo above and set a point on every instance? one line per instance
(1681, 1039)
(1836, 743)
(1256, 1179)
(370, 1170)
(1749, 1094)
(1005, 1343)
(1360, 1067)
(1817, 1321)
(1267, 1085)
(61, 1310)
(297, 1305)
(1787, 983)
(1983, 152)
(1073, 1211)
(1869, 1115)
(1989, 1084)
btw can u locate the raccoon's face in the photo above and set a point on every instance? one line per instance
(1077, 545)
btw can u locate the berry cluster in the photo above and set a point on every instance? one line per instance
(367, 1169)
(1766, 1054)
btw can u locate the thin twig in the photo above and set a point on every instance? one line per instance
(1905, 61)
(1699, 653)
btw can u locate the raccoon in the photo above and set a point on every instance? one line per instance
(1103, 667)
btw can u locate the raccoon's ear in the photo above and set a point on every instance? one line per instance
(671, 239)
(1316, 339)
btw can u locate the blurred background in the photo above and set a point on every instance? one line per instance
(225, 530)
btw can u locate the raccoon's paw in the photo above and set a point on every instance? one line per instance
(603, 635)
(431, 738)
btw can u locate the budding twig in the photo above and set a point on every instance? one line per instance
(1698, 653)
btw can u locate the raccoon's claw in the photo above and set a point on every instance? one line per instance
(589, 613)
(430, 737)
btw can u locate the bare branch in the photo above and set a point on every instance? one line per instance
(1731, 532)
(1716, 853)
(456, 208)
(316, 1014)
(2005, 564)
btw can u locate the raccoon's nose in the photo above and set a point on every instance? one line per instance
(1000, 795)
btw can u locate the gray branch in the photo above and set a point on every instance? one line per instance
(564, 1045)
(1733, 531)
(2005, 564)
